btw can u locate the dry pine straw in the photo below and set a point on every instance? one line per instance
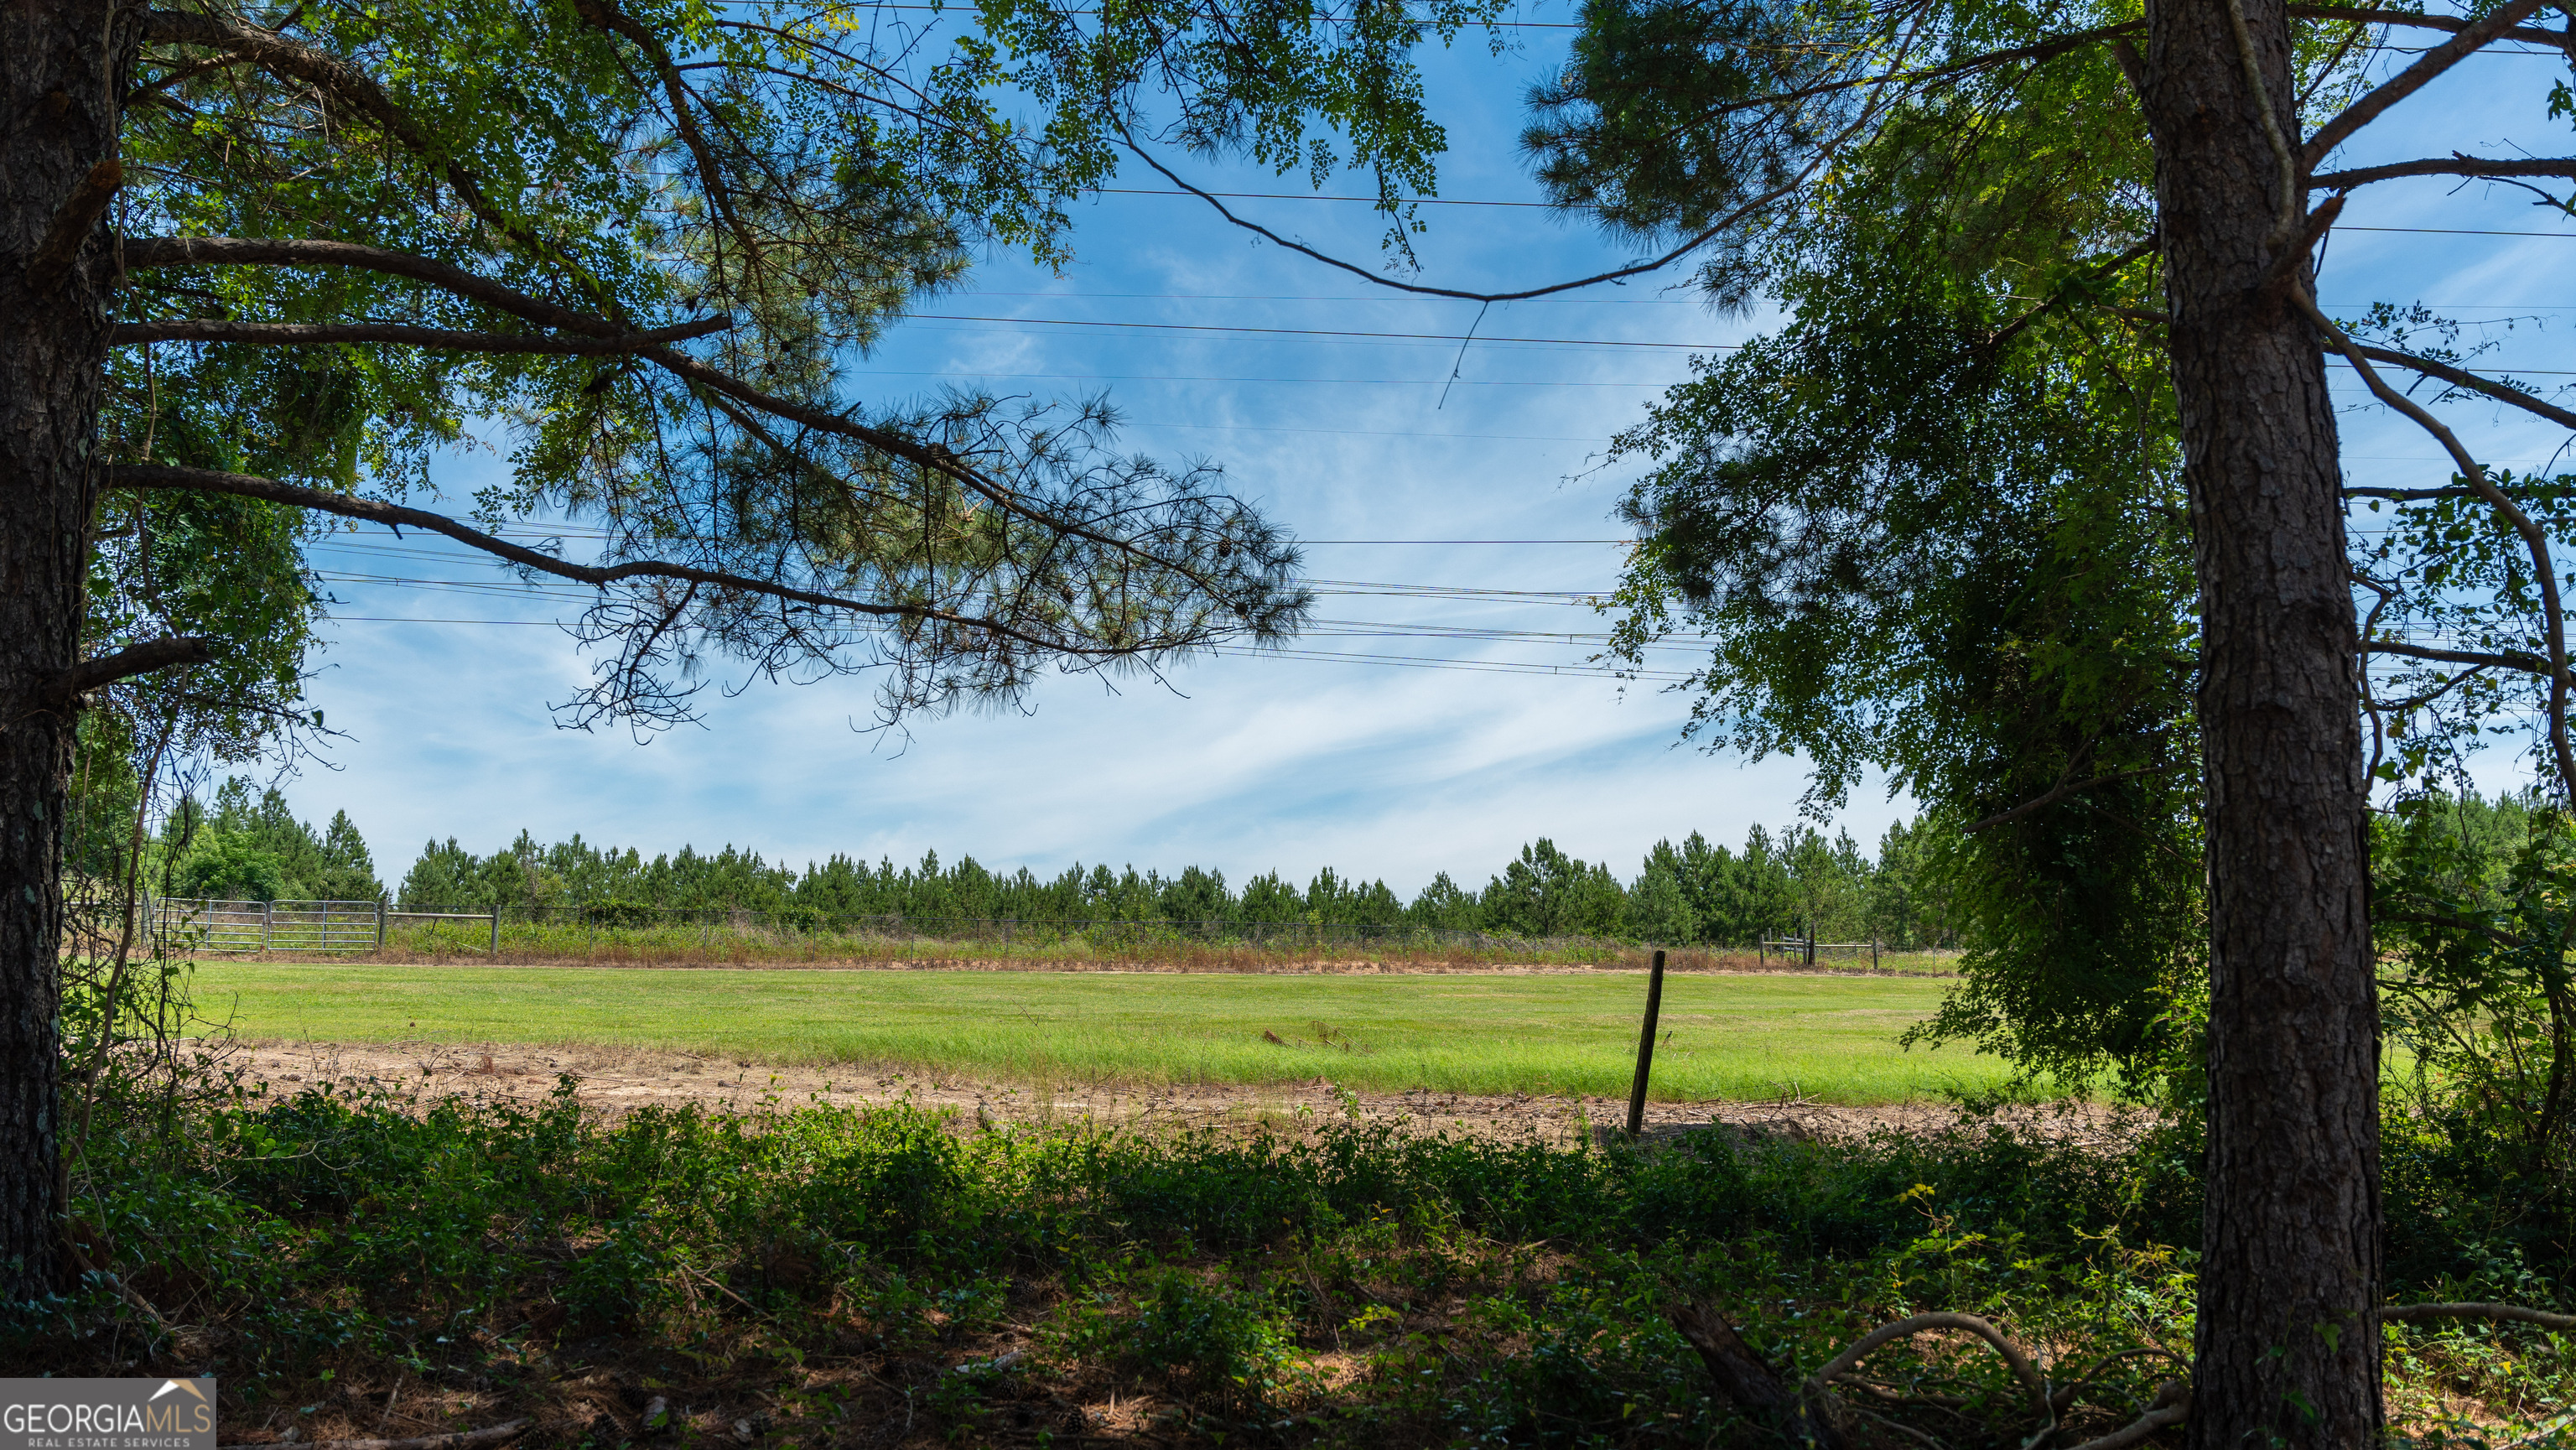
(731, 1387)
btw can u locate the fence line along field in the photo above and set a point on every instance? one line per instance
(592, 936)
(1730, 1036)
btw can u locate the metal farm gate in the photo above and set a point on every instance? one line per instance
(270, 926)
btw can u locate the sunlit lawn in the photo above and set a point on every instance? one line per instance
(1731, 1036)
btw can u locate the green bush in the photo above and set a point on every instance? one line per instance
(223, 866)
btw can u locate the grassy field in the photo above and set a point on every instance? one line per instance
(1731, 1036)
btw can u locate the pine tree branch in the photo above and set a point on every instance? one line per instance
(2459, 164)
(2515, 660)
(2460, 377)
(2466, 41)
(2370, 16)
(303, 334)
(2553, 614)
(2428, 495)
(289, 251)
(125, 664)
(605, 16)
(358, 91)
(51, 262)
(304, 252)
(146, 477)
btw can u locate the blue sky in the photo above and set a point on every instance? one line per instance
(1380, 766)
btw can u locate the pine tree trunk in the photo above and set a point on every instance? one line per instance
(2288, 1344)
(58, 110)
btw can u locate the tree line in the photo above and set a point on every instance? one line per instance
(1786, 882)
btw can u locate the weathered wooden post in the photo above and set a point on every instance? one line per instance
(496, 931)
(1646, 1049)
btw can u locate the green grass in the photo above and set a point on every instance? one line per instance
(1732, 1037)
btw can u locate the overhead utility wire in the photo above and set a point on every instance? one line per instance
(1417, 662)
(1551, 206)
(1439, 337)
(1422, 337)
(1350, 587)
(1394, 301)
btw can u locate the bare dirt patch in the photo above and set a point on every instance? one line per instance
(615, 1081)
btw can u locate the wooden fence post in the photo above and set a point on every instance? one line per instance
(1646, 1049)
(496, 932)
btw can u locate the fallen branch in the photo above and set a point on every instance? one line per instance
(2014, 1356)
(2417, 1313)
(1749, 1381)
(461, 1440)
(2171, 1406)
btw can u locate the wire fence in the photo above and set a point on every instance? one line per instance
(373, 926)
(1810, 952)
(287, 926)
(1099, 933)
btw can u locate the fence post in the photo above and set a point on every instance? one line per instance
(1873, 951)
(1811, 941)
(1646, 1050)
(380, 923)
(496, 932)
(267, 923)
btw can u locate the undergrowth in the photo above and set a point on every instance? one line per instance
(360, 1264)
(725, 945)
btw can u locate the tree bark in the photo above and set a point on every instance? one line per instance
(2288, 1346)
(59, 83)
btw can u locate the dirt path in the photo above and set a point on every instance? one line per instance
(617, 1080)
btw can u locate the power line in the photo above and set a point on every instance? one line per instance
(1481, 24)
(1322, 587)
(1419, 662)
(1439, 337)
(1394, 300)
(1550, 206)
(1338, 382)
(1312, 196)
(2454, 232)
(1505, 667)
(1353, 297)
